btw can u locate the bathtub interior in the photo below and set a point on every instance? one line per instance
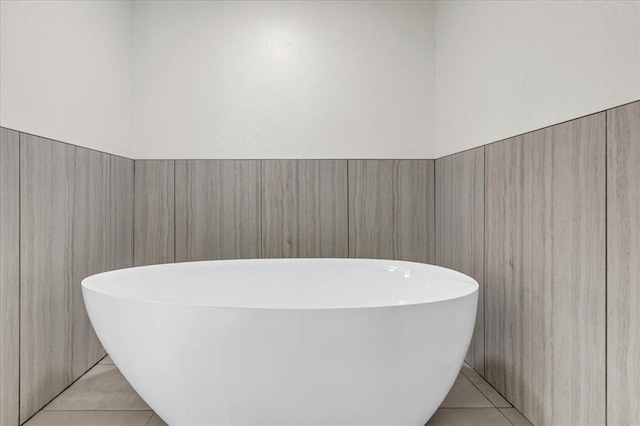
(286, 283)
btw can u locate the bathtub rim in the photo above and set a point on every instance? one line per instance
(88, 286)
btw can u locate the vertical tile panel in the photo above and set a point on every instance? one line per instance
(121, 212)
(64, 237)
(217, 209)
(9, 275)
(47, 175)
(305, 208)
(545, 272)
(460, 229)
(154, 212)
(391, 209)
(623, 269)
(90, 252)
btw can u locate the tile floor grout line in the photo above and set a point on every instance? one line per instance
(84, 410)
(484, 380)
(60, 393)
(503, 415)
(471, 408)
(150, 418)
(480, 390)
(519, 412)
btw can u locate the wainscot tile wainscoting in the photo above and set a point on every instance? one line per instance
(547, 222)
(67, 212)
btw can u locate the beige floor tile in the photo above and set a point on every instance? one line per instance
(465, 394)
(515, 417)
(107, 399)
(468, 417)
(90, 418)
(106, 361)
(484, 387)
(156, 421)
(102, 388)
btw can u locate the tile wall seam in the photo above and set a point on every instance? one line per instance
(606, 266)
(133, 218)
(348, 215)
(261, 209)
(484, 262)
(174, 211)
(19, 272)
(433, 222)
(133, 237)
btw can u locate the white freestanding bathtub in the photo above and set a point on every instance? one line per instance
(302, 342)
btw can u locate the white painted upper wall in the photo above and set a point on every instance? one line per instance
(66, 71)
(309, 79)
(313, 79)
(508, 67)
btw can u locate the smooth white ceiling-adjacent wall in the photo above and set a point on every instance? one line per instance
(316, 79)
(312, 79)
(508, 67)
(66, 71)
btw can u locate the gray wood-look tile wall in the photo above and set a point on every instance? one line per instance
(217, 210)
(392, 209)
(121, 212)
(304, 210)
(46, 250)
(623, 265)
(524, 216)
(67, 232)
(154, 210)
(91, 249)
(9, 276)
(545, 272)
(227, 209)
(459, 188)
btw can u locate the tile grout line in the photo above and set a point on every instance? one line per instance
(467, 408)
(518, 411)
(348, 215)
(174, 210)
(606, 264)
(484, 263)
(84, 410)
(19, 275)
(434, 228)
(503, 415)
(261, 210)
(133, 219)
(110, 226)
(150, 418)
(91, 410)
(58, 394)
(483, 394)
